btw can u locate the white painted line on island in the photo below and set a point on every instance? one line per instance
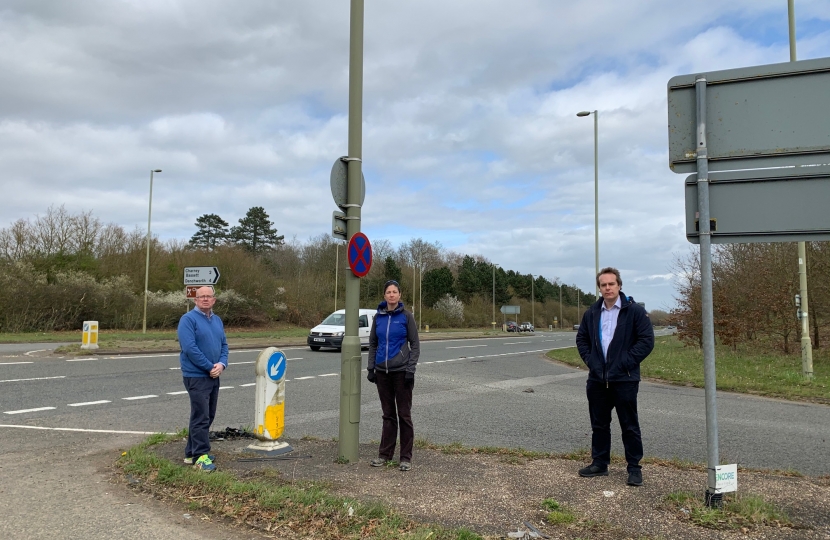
(303, 378)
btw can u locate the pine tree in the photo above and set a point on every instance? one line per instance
(255, 232)
(213, 230)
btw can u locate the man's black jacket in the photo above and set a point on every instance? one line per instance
(633, 340)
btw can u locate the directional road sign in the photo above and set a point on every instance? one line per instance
(360, 254)
(201, 275)
(761, 116)
(766, 205)
(276, 366)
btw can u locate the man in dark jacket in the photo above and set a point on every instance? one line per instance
(615, 335)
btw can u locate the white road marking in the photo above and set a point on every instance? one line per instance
(425, 363)
(39, 350)
(303, 378)
(465, 346)
(31, 410)
(225, 387)
(235, 363)
(248, 384)
(35, 379)
(516, 343)
(89, 403)
(83, 430)
(14, 363)
(139, 397)
(83, 359)
(177, 393)
(329, 375)
(174, 368)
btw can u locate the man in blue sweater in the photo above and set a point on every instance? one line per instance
(615, 335)
(203, 358)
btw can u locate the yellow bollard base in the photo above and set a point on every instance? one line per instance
(269, 448)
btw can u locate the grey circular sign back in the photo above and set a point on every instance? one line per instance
(339, 184)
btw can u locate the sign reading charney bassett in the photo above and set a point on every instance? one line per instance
(201, 275)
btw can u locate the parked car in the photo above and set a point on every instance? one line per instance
(512, 326)
(330, 332)
(576, 327)
(526, 327)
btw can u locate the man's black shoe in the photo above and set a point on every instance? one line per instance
(635, 478)
(593, 470)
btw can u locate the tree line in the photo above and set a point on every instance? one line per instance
(754, 288)
(59, 269)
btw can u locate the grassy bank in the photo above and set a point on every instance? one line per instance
(744, 370)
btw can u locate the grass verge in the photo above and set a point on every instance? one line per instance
(738, 512)
(267, 502)
(744, 370)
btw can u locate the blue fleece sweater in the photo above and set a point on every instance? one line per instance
(203, 343)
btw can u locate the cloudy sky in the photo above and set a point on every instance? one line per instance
(470, 130)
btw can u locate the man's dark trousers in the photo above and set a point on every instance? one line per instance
(602, 397)
(396, 403)
(204, 395)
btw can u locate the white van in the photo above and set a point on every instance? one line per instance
(329, 333)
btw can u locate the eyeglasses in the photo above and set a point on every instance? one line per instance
(204, 297)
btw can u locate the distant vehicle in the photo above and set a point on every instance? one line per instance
(512, 326)
(576, 327)
(526, 327)
(330, 332)
(671, 329)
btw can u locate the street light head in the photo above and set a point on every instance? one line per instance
(584, 113)
(156, 170)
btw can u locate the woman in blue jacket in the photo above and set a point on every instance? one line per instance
(393, 355)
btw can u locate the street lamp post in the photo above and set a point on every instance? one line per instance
(532, 303)
(494, 295)
(596, 194)
(147, 262)
(561, 322)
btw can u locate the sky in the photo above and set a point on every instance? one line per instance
(470, 133)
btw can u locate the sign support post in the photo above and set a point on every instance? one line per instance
(713, 497)
(350, 358)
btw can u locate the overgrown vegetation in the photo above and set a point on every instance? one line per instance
(270, 503)
(58, 270)
(557, 514)
(743, 369)
(738, 511)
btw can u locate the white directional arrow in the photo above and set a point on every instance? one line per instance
(275, 368)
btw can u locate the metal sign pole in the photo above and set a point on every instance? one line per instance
(350, 378)
(708, 329)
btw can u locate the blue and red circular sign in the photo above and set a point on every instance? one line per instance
(360, 255)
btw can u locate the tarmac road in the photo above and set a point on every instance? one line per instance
(479, 392)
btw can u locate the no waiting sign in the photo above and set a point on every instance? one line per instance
(360, 255)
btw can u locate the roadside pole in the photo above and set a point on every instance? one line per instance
(713, 497)
(804, 311)
(350, 358)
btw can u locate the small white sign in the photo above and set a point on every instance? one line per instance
(201, 275)
(726, 478)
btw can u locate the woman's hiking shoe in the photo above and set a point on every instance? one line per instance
(189, 460)
(406, 466)
(204, 464)
(593, 470)
(377, 462)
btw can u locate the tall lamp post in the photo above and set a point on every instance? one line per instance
(532, 303)
(596, 195)
(561, 322)
(147, 262)
(494, 295)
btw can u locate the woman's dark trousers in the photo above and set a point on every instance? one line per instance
(396, 402)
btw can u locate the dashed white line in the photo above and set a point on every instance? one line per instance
(83, 359)
(89, 403)
(177, 393)
(35, 379)
(248, 384)
(83, 430)
(466, 346)
(139, 397)
(14, 363)
(329, 375)
(225, 387)
(303, 378)
(31, 410)
(516, 343)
